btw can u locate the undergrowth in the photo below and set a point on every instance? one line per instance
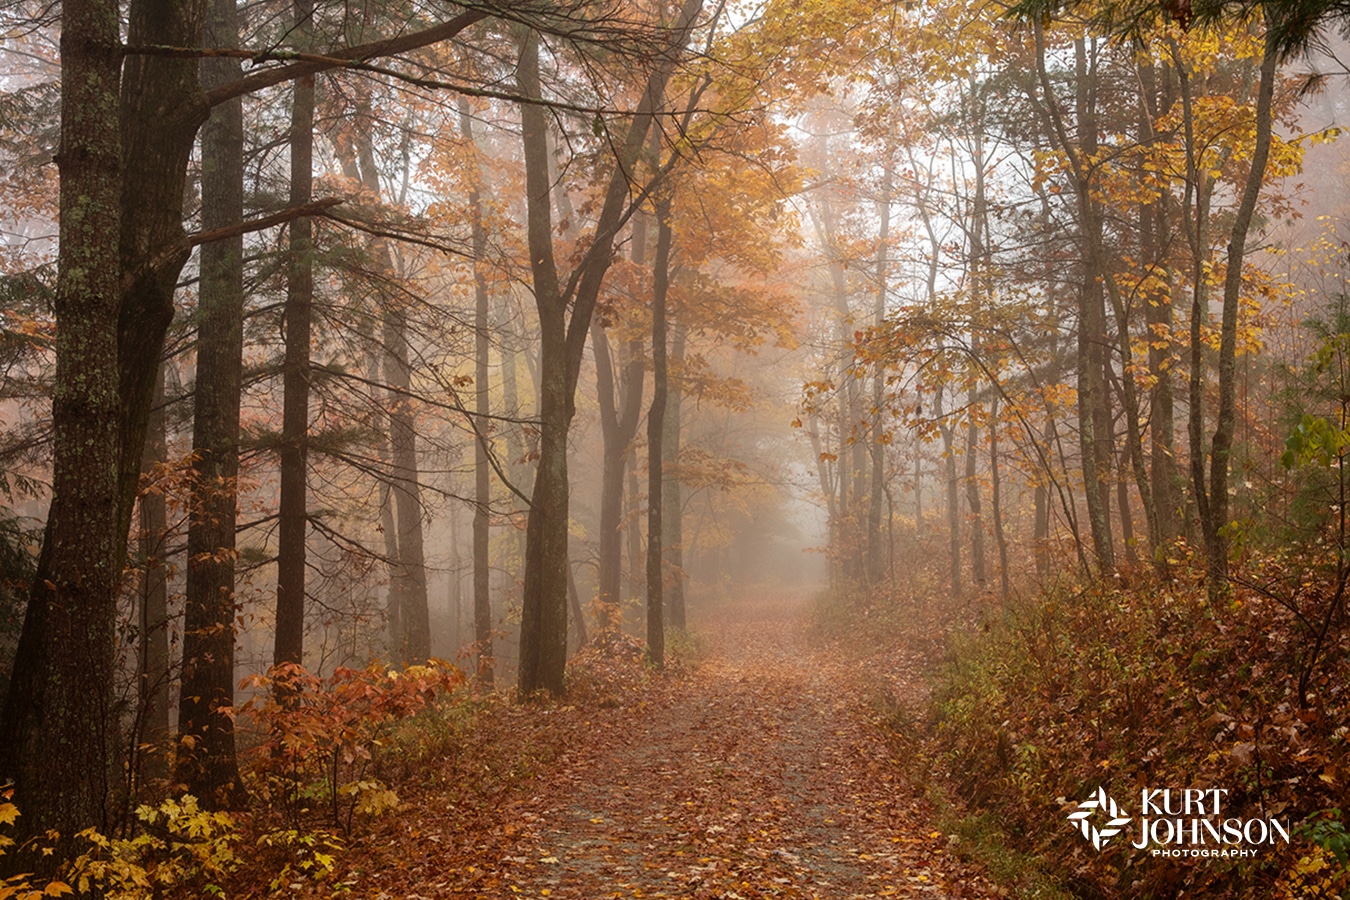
(1149, 686)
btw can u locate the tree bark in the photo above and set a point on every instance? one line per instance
(973, 503)
(619, 417)
(293, 521)
(207, 764)
(996, 503)
(53, 743)
(1220, 448)
(953, 503)
(672, 500)
(482, 481)
(656, 420)
(1156, 237)
(414, 615)
(163, 106)
(543, 636)
(543, 625)
(1091, 312)
(876, 446)
(152, 668)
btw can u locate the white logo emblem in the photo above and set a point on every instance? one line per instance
(1081, 818)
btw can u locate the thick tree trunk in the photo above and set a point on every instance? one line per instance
(207, 764)
(543, 625)
(53, 743)
(163, 106)
(293, 521)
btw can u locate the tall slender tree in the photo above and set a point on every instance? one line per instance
(293, 511)
(565, 308)
(207, 764)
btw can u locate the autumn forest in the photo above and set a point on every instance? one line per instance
(613, 448)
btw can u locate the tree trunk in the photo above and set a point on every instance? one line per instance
(1216, 537)
(1094, 411)
(507, 336)
(672, 500)
(207, 765)
(619, 417)
(293, 522)
(1124, 512)
(996, 503)
(876, 446)
(1040, 534)
(1195, 213)
(408, 586)
(411, 573)
(482, 482)
(953, 503)
(393, 603)
(973, 503)
(819, 452)
(53, 744)
(574, 598)
(543, 630)
(543, 625)
(163, 106)
(1091, 312)
(1156, 238)
(656, 420)
(152, 669)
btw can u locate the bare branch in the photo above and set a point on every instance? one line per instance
(277, 218)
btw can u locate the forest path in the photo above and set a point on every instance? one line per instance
(758, 774)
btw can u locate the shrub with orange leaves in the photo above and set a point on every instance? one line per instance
(322, 732)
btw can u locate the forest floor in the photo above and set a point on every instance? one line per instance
(758, 770)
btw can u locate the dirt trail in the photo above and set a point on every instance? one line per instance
(756, 775)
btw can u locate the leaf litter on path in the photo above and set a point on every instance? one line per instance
(754, 774)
